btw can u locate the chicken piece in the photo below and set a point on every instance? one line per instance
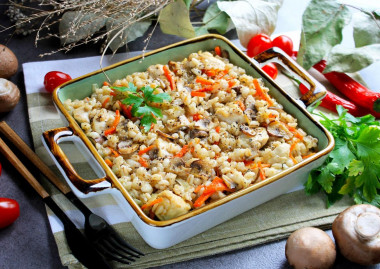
(171, 206)
(81, 115)
(230, 113)
(174, 125)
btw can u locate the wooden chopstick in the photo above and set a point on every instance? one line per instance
(8, 132)
(8, 153)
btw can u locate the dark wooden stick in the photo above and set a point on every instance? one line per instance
(12, 158)
(8, 132)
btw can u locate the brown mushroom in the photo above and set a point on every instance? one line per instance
(8, 62)
(9, 95)
(165, 135)
(198, 133)
(278, 129)
(126, 147)
(310, 247)
(357, 234)
(247, 130)
(177, 166)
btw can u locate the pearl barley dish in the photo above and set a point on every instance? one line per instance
(185, 134)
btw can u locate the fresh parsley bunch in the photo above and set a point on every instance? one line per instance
(141, 102)
(353, 166)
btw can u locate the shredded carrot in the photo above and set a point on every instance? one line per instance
(295, 132)
(183, 151)
(114, 152)
(113, 93)
(216, 185)
(307, 156)
(217, 129)
(143, 162)
(108, 162)
(205, 89)
(211, 72)
(105, 102)
(143, 151)
(261, 93)
(241, 104)
(203, 81)
(151, 126)
(231, 83)
(199, 94)
(127, 110)
(169, 77)
(197, 189)
(201, 200)
(218, 51)
(105, 83)
(222, 73)
(292, 146)
(248, 163)
(197, 117)
(261, 167)
(152, 203)
(114, 124)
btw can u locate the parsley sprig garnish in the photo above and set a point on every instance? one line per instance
(141, 101)
(353, 166)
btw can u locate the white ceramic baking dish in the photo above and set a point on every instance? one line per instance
(163, 234)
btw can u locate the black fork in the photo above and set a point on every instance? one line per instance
(106, 239)
(97, 230)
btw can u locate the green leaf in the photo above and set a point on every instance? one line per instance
(369, 181)
(214, 19)
(134, 101)
(147, 121)
(368, 143)
(124, 33)
(355, 168)
(251, 17)
(334, 195)
(160, 97)
(322, 24)
(311, 185)
(130, 88)
(349, 187)
(366, 29)
(174, 19)
(75, 26)
(326, 179)
(349, 60)
(148, 110)
(341, 157)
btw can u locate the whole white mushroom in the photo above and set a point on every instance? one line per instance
(357, 234)
(310, 248)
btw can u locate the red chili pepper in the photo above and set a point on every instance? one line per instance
(352, 89)
(331, 101)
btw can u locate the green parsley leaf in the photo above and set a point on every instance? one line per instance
(142, 110)
(353, 167)
(140, 100)
(131, 88)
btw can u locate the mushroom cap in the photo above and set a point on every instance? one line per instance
(310, 248)
(9, 95)
(8, 62)
(357, 233)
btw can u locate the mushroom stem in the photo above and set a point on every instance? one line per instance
(367, 226)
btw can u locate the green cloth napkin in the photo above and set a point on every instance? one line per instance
(268, 222)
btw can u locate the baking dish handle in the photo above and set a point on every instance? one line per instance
(51, 139)
(316, 90)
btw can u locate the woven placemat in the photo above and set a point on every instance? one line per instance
(271, 221)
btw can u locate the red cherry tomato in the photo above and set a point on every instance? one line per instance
(285, 43)
(258, 44)
(9, 211)
(55, 78)
(271, 70)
